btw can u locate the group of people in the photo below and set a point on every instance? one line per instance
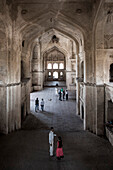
(62, 94)
(59, 150)
(37, 104)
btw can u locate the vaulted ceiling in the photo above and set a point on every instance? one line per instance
(70, 17)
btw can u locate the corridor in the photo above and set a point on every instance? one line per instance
(27, 149)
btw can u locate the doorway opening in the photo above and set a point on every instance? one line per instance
(54, 67)
(111, 73)
(55, 75)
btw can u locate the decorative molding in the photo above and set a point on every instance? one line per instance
(108, 36)
(90, 84)
(94, 84)
(9, 85)
(55, 39)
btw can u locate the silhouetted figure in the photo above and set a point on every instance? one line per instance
(60, 94)
(36, 104)
(63, 94)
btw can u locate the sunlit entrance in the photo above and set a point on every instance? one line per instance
(55, 75)
(55, 65)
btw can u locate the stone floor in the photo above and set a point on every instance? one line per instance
(27, 149)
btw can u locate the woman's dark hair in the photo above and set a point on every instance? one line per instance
(59, 138)
(60, 142)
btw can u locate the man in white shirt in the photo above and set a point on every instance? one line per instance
(51, 141)
(42, 104)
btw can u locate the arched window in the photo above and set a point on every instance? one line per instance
(111, 73)
(55, 75)
(61, 66)
(55, 66)
(49, 66)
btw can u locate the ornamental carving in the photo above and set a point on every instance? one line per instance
(108, 36)
(55, 39)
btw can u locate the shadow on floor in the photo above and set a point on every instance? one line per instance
(33, 123)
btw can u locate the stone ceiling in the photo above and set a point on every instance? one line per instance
(70, 17)
(73, 9)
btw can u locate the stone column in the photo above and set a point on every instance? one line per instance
(77, 87)
(14, 106)
(13, 85)
(94, 108)
(100, 114)
(90, 107)
(3, 110)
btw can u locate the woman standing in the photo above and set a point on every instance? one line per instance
(59, 150)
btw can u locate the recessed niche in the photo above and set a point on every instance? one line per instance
(78, 11)
(24, 11)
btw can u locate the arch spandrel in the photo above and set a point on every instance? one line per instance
(55, 48)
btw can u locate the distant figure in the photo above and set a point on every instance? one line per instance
(59, 150)
(51, 141)
(66, 94)
(56, 84)
(42, 104)
(36, 104)
(61, 90)
(60, 94)
(63, 94)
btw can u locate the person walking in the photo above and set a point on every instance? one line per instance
(42, 104)
(51, 141)
(60, 95)
(59, 150)
(36, 105)
(66, 94)
(63, 94)
(61, 90)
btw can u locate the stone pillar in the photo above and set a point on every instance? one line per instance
(13, 84)
(37, 68)
(77, 87)
(10, 112)
(77, 97)
(94, 108)
(100, 114)
(90, 107)
(13, 106)
(26, 64)
(3, 108)
(3, 77)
